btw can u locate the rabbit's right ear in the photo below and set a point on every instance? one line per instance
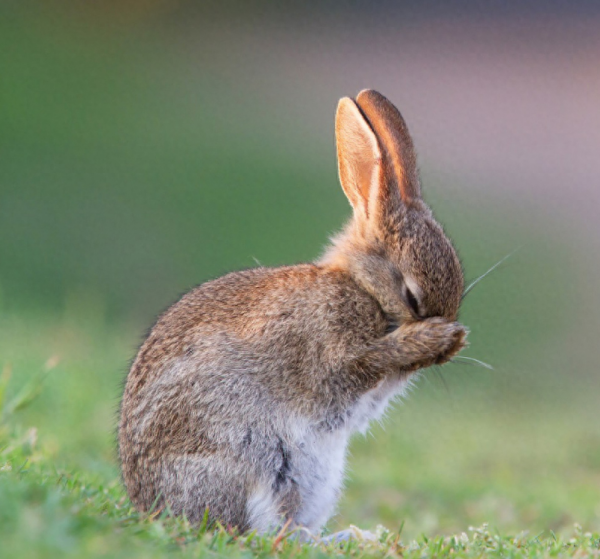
(359, 156)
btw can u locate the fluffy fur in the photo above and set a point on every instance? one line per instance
(245, 393)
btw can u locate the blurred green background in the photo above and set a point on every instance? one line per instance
(149, 146)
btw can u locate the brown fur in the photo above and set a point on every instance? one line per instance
(211, 399)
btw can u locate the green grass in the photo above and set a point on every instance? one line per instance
(452, 456)
(50, 512)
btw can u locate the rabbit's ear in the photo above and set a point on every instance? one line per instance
(399, 157)
(359, 156)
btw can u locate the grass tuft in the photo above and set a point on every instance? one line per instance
(46, 511)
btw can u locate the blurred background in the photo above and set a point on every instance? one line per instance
(147, 146)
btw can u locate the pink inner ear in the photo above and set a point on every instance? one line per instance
(359, 155)
(389, 126)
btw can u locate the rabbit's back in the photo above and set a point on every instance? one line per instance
(285, 316)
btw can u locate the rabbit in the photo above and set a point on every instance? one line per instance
(242, 399)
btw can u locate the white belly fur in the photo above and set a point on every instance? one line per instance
(319, 459)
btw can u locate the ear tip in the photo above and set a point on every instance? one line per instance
(365, 95)
(345, 102)
(369, 94)
(364, 92)
(346, 108)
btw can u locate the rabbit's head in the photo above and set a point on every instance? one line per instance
(393, 247)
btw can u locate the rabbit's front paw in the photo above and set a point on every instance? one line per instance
(456, 339)
(433, 341)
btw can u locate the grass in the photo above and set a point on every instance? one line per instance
(48, 513)
(451, 457)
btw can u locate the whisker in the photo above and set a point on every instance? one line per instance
(473, 361)
(475, 282)
(463, 363)
(442, 379)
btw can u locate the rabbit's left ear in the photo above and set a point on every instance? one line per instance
(359, 156)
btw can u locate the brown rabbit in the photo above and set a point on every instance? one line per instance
(244, 395)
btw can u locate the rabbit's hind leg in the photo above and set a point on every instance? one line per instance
(263, 510)
(191, 483)
(272, 504)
